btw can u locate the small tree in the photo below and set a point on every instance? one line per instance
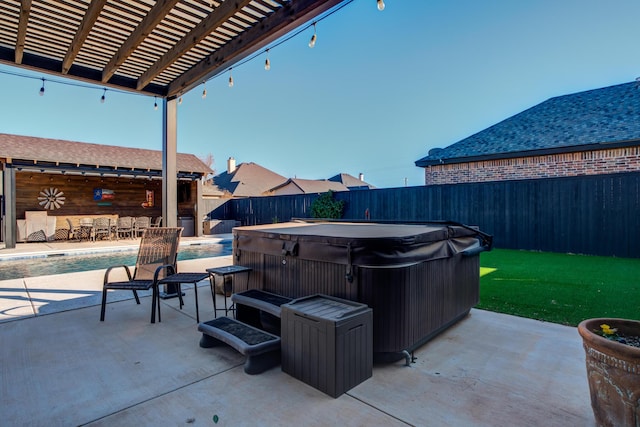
(325, 206)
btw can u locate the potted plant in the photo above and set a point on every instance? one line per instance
(612, 348)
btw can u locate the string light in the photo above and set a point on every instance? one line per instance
(155, 103)
(204, 90)
(380, 5)
(312, 42)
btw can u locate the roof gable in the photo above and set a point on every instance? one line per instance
(247, 180)
(606, 115)
(350, 181)
(307, 186)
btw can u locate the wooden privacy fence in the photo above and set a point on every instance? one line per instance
(596, 215)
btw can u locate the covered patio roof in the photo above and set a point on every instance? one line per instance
(162, 48)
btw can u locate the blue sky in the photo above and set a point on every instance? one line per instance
(375, 94)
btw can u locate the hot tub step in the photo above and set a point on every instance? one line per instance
(260, 309)
(262, 300)
(261, 348)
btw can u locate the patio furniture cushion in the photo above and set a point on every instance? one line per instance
(61, 234)
(37, 236)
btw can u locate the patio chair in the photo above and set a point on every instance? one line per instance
(86, 229)
(141, 223)
(157, 258)
(124, 226)
(102, 228)
(156, 222)
(74, 230)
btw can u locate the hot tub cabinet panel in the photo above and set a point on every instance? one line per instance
(418, 279)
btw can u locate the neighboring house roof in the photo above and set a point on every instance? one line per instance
(351, 182)
(211, 191)
(56, 152)
(564, 123)
(247, 180)
(307, 186)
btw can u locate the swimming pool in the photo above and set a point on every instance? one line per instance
(61, 264)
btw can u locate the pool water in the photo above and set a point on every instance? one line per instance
(61, 264)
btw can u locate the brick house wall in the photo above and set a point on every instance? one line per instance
(592, 162)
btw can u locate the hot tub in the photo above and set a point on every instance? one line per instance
(419, 279)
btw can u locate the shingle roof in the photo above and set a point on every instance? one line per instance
(599, 116)
(81, 153)
(247, 180)
(310, 186)
(351, 182)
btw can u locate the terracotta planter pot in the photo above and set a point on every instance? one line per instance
(613, 371)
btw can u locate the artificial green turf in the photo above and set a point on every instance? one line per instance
(560, 288)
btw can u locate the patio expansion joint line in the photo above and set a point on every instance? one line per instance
(378, 409)
(33, 307)
(166, 393)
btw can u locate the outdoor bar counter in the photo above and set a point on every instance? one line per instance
(419, 279)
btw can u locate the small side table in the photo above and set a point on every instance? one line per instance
(224, 272)
(179, 278)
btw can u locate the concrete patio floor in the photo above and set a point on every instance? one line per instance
(61, 366)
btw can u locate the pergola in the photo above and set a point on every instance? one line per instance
(160, 48)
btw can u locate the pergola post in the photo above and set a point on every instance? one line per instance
(199, 208)
(9, 221)
(169, 168)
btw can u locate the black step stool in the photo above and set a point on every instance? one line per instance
(261, 348)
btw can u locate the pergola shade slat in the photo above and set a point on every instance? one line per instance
(162, 48)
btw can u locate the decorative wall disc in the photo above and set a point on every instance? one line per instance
(51, 198)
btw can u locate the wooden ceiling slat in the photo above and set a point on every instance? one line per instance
(25, 10)
(157, 47)
(271, 28)
(218, 16)
(89, 19)
(153, 18)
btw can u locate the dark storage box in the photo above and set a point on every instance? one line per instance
(418, 278)
(327, 342)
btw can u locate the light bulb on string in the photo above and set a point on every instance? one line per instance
(267, 63)
(204, 90)
(230, 78)
(312, 42)
(102, 98)
(180, 100)
(155, 103)
(42, 88)
(380, 5)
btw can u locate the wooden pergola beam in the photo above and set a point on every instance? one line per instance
(268, 30)
(218, 17)
(90, 17)
(25, 11)
(146, 26)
